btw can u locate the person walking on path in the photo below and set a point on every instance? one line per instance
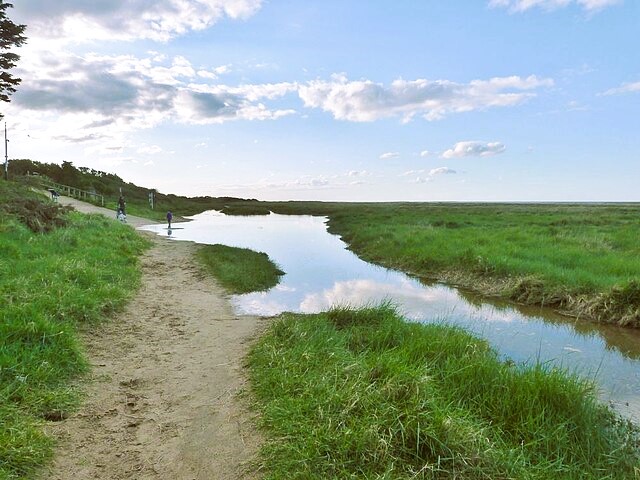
(169, 218)
(121, 205)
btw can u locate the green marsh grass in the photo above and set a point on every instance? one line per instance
(364, 394)
(584, 259)
(240, 270)
(51, 285)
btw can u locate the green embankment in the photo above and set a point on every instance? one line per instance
(51, 285)
(584, 259)
(364, 394)
(240, 270)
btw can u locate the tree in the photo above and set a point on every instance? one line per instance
(11, 35)
(69, 175)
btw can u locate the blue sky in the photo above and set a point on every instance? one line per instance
(472, 100)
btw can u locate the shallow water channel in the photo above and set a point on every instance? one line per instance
(321, 272)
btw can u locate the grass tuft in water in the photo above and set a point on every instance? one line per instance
(240, 270)
(364, 394)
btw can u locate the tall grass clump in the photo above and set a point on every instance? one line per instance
(364, 394)
(52, 284)
(240, 270)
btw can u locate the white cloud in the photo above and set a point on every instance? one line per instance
(101, 97)
(207, 74)
(215, 73)
(366, 101)
(205, 104)
(389, 155)
(474, 149)
(222, 69)
(367, 292)
(81, 138)
(201, 108)
(318, 182)
(576, 106)
(250, 92)
(79, 20)
(422, 176)
(423, 180)
(305, 182)
(112, 89)
(411, 173)
(425, 153)
(97, 102)
(523, 5)
(624, 88)
(441, 171)
(149, 149)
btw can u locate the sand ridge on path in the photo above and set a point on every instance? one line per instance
(162, 401)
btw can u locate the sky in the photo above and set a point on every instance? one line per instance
(433, 100)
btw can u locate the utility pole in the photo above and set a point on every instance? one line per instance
(6, 155)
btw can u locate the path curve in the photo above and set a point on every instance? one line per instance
(162, 401)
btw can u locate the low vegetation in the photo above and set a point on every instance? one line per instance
(57, 275)
(364, 394)
(29, 208)
(240, 270)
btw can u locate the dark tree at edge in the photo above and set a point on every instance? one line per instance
(11, 35)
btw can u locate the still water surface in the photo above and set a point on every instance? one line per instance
(321, 272)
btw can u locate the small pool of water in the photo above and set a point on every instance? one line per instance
(321, 272)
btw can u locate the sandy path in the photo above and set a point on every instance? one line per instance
(162, 399)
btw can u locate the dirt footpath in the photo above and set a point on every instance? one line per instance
(162, 401)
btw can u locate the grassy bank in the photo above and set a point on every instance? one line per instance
(240, 270)
(51, 284)
(583, 259)
(362, 394)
